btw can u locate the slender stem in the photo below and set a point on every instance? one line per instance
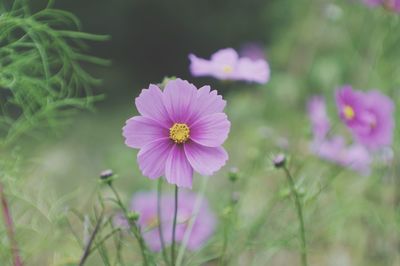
(159, 221)
(196, 210)
(9, 224)
(116, 230)
(174, 227)
(133, 226)
(87, 250)
(224, 245)
(299, 209)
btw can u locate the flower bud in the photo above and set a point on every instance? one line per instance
(133, 216)
(279, 160)
(233, 174)
(106, 176)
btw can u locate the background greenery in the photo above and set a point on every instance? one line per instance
(313, 46)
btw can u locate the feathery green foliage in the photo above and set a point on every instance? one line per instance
(41, 75)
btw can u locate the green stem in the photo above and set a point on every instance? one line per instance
(159, 222)
(134, 228)
(299, 209)
(174, 227)
(188, 232)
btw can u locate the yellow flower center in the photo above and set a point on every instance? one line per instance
(179, 133)
(227, 69)
(348, 112)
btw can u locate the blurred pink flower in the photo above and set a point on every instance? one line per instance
(252, 50)
(334, 149)
(145, 203)
(350, 105)
(225, 64)
(179, 130)
(368, 115)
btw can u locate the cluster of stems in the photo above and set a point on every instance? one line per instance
(299, 209)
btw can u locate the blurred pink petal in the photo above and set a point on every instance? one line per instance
(225, 64)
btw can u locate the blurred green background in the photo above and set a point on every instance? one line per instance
(312, 46)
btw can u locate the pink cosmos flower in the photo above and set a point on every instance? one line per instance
(179, 130)
(334, 149)
(145, 203)
(225, 64)
(368, 115)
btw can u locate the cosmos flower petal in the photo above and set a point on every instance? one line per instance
(359, 159)
(225, 64)
(179, 96)
(152, 157)
(207, 102)
(211, 130)
(150, 104)
(319, 118)
(140, 130)
(145, 203)
(199, 66)
(371, 118)
(205, 160)
(253, 70)
(177, 168)
(376, 121)
(226, 55)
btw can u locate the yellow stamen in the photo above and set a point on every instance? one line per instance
(348, 112)
(179, 133)
(227, 69)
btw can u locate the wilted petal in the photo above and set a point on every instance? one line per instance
(205, 160)
(177, 168)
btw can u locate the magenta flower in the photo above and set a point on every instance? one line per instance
(334, 149)
(145, 203)
(180, 130)
(225, 64)
(350, 105)
(368, 115)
